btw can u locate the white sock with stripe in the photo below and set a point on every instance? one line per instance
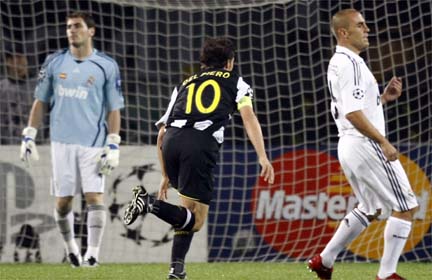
(65, 225)
(349, 228)
(96, 220)
(396, 234)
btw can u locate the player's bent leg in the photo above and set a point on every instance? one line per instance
(177, 216)
(199, 210)
(349, 228)
(186, 219)
(141, 203)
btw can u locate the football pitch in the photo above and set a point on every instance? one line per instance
(207, 271)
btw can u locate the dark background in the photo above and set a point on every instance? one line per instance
(283, 52)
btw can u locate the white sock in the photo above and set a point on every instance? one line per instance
(349, 228)
(92, 252)
(65, 225)
(96, 220)
(396, 234)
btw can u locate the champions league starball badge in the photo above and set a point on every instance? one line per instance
(358, 93)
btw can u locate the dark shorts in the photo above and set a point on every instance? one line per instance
(190, 156)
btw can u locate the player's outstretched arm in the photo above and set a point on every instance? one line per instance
(28, 150)
(253, 130)
(110, 155)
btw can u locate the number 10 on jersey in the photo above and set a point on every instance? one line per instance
(198, 97)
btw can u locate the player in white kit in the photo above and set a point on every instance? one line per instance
(369, 161)
(81, 87)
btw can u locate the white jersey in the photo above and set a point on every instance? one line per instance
(376, 182)
(353, 87)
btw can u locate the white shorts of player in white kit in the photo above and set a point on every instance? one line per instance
(74, 168)
(377, 183)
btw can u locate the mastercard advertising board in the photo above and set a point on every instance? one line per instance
(296, 216)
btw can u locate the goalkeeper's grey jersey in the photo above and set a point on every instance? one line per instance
(80, 93)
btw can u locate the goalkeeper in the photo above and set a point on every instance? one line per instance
(190, 135)
(81, 87)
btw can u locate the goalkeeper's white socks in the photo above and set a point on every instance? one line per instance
(396, 234)
(96, 220)
(349, 228)
(65, 224)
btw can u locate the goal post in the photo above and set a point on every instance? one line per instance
(283, 49)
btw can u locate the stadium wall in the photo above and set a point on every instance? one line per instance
(27, 225)
(290, 220)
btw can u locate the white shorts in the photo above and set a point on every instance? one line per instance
(376, 182)
(74, 168)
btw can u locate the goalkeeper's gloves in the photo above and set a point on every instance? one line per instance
(109, 158)
(28, 145)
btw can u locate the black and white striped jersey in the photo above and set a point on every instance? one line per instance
(206, 100)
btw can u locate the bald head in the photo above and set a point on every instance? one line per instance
(341, 20)
(350, 29)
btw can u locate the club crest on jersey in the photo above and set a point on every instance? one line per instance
(63, 76)
(358, 93)
(90, 81)
(42, 74)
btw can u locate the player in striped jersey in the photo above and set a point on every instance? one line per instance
(190, 135)
(370, 162)
(81, 86)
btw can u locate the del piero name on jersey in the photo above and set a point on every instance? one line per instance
(221, 74)
(79, 92)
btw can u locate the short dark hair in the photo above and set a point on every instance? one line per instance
(216, 52)
(87, 18)
(339, 20)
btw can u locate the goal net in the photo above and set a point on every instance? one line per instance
(283, 49)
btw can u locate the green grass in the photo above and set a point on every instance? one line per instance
(207, 271)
